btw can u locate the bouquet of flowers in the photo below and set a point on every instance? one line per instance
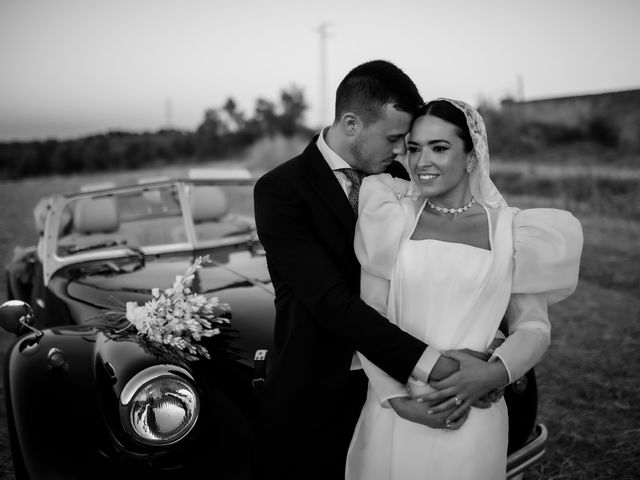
(179, 318)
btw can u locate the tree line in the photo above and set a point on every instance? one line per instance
(223, 132)
(510, 135)
(227, 131)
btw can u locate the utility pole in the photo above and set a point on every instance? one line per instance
(322, 31)
(520, 88)
(167, 113)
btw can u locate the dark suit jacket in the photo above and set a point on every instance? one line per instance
(306, 226)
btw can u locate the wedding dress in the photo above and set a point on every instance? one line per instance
(453, 296)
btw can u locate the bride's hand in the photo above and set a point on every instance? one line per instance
(416, 411)
(445, 366)
(462, 389)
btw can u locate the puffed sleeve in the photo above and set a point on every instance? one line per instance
(547, 250)
(384, 211)
(529, 334)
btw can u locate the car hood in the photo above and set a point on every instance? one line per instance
(108, 289)
(239, 279)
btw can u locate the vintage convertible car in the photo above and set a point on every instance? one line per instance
(89, 396)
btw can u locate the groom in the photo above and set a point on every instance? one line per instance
(305, 216)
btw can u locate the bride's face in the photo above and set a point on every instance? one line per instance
(437, 160)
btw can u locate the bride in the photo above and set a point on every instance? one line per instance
(445, 258)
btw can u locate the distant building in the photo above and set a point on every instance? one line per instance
(619, 111)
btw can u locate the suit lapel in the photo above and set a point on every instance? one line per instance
(323, 181)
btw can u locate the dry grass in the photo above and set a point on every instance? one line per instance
(588, 378)
(589, 389)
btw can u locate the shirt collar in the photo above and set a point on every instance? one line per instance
(334, 160)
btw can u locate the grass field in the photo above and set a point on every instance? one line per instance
(589, 388)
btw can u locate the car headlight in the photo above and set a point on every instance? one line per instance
(159, 405)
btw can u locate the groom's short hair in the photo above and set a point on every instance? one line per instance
(373, 84)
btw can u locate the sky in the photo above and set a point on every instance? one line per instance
(71, 68)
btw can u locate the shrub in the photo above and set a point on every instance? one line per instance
(603, 132)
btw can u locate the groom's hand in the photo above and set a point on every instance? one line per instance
(475, 379)
(449, 365)
(445, 366)
(419, 412)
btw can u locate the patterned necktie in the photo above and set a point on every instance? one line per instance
(355, 177)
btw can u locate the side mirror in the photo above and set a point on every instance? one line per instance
(15, 315)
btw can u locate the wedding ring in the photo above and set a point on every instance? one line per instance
(458, 401)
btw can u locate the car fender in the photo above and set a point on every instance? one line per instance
(48, 409)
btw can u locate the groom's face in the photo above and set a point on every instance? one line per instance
(377, 144)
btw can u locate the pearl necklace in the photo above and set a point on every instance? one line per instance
(440, 209)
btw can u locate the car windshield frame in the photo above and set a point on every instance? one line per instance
(49, 245)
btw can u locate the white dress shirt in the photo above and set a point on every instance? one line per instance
(335, 162)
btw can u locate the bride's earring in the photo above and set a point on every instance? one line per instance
(471, 163)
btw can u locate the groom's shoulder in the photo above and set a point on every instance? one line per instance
(293, 166)
(397, 169)
(286, 169)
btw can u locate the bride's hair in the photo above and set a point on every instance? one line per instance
(448, 112)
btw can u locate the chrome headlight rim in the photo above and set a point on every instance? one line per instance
(144, 379)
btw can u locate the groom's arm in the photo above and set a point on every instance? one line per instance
(446, 366)
(300, 259)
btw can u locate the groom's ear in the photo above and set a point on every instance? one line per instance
(351, 124)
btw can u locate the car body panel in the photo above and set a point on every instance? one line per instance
(76, 428)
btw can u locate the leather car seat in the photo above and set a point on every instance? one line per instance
(96, 215)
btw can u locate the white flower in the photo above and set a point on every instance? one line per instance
(177, 317)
